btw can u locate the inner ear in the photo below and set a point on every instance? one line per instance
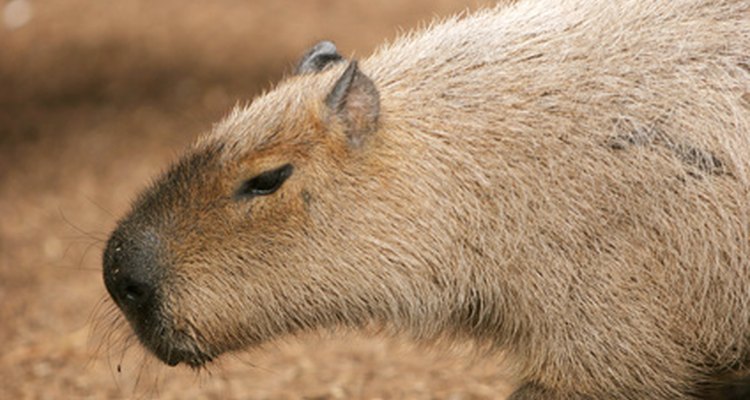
(355, 100)
(318, 58)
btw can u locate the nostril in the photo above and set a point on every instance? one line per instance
(133, 293)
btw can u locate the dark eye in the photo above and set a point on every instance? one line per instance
(265, 183)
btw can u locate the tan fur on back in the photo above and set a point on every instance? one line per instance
(566, 180)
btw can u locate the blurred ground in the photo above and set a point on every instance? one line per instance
(96, 98)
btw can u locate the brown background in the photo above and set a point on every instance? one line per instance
(96, 97)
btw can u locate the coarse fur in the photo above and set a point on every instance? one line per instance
(566, 180)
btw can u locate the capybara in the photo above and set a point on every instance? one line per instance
(564, 181)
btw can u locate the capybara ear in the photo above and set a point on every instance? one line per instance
(355, 100)
(318, 58)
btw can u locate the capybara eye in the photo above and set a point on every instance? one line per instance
(265, 183)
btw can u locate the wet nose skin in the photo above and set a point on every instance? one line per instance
(131, 275)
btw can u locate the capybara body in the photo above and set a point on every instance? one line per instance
(566, 181)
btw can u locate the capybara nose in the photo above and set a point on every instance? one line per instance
(129, 275)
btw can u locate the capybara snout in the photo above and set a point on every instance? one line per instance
(134, 277)
(150, 256)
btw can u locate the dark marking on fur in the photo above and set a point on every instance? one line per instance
(532, 57)
(306, 198)
(705, 161)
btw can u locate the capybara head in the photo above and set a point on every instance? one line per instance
(225, 249)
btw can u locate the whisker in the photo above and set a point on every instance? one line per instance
(240, 358)
(141, 368)
(101, 207)
(78, 229)
(83, 257)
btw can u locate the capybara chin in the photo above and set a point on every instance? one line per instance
(566, 180)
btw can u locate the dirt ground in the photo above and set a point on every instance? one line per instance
(95, 99)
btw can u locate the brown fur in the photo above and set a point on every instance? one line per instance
(566, 180)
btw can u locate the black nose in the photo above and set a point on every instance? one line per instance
(130, 274)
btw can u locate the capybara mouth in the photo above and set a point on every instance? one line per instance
(171, 346)
(173, 352)
(173, 357)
